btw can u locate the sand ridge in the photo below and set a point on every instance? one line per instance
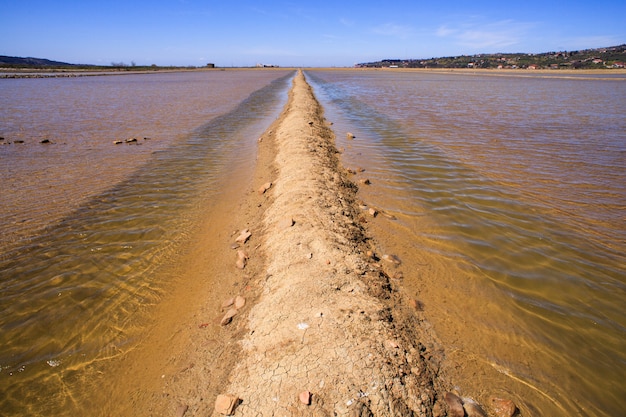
(328, 321)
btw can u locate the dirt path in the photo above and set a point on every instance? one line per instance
(298, 317)
(323, 338)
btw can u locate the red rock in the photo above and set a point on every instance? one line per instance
(305, 397)
(503, 407)
(226, 403)
(455, 406)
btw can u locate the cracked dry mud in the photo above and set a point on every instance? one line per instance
(327, 320)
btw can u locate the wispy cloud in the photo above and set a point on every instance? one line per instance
(394, 30)
(347, 22)
(485, 36)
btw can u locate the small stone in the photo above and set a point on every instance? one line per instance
(226, 403)
(45, 141)
(239, 302)
(503, 407)
(305, 397)
(373, 212)
(243, 236)
(309, 255)
(228, 303)
(242, 259)
(181, 410)
(286, 222)
(392, 259)
(391, 344)
(265, 187)
(117, 142)
(228, 317)
(389, 216)
(234, 246)
(365, 181)
(474, 410)
(455, 406)
(350, 135)
(131, 140)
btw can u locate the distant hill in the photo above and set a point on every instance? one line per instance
(17, 62)
(597, 58)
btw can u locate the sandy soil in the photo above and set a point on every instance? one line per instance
(324, 330)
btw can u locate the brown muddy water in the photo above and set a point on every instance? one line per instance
(509, 194)
(87, 225)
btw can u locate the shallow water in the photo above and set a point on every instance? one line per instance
(79, 281)
(509, 194)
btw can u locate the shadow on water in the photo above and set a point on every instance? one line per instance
(80, 291)
(519, 291)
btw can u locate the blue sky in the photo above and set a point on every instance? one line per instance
(299, 33)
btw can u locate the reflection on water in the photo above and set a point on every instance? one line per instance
(79, 291)
(509, 194)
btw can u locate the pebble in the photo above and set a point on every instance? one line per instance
(242, 258)
(503, 407)
(181, 410)
(391, 344)
(473, 410)
(265, 187)
(226, 403)
(243, 236)
(455, 406)
(350, 135)
(228, 303)
(305, 397)
(365, 181)
(392, 259)
(228, 317)
(239, 302)
(286, 222)
(373, 212)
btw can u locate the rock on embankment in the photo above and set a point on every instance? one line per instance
(323, 339)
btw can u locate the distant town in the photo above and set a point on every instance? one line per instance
(599, 58)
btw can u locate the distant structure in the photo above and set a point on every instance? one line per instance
(210, 65)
